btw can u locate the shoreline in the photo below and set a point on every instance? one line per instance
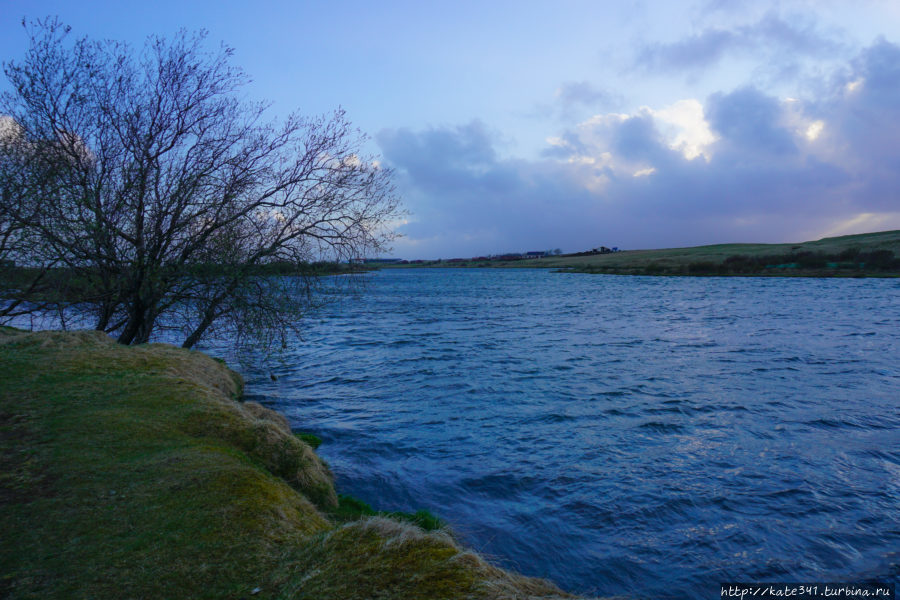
(799, 274)
(138, 471)
(852, 256)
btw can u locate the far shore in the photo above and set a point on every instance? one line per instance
(861, 255)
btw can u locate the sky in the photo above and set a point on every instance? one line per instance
(520, 126)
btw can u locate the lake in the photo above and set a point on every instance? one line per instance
(618, 435)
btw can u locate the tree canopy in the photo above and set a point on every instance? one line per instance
(141, 188)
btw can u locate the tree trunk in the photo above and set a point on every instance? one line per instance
(198, 331)
(133, 325)
(106, 312)
(127, 335)
(146, 328)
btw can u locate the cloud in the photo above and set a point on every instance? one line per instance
(750, 123)
(770, 38)
(690, 131)
(737, 166)
(574, 100)
(462, 148)
(862, 124)
(726, 6)
(585, 94)
(474, 203)
(878, 71)
(864, 222)
(698, 50)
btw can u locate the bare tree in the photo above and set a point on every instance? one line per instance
(165, 200)
(25, 285)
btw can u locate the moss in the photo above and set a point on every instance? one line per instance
(266, 437)
(351, 509)
(312, 440)
(133, 472)
(422, 518)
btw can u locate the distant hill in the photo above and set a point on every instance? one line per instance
(866, 254)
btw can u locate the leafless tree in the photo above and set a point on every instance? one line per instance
(163, 199)
(25, 286)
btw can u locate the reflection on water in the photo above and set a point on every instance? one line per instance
(619, 435)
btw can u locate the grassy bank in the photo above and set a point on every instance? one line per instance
(136, 472)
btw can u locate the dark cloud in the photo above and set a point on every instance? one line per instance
(864, 115)
(748, 120)
(879, 67)
(465, 147)
(637, 139)
(778, 171)
(772, 38)
(465, 204)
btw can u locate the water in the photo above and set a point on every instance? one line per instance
(618, 435)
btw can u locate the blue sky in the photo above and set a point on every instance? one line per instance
(519, 126)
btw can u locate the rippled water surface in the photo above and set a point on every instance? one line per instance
(619, 435)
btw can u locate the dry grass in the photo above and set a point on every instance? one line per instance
(374, 558)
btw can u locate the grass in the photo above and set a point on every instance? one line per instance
(711, 260)
(311, 439)
(350, 509)
(135, 472)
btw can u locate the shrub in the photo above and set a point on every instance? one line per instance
(849, 254)
(878, 259)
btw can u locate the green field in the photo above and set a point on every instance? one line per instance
(137, 472)
(681, 259)
(867, 254)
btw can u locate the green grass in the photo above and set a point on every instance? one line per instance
(311, 439)
(134, 472)
(711, 260)
(350, 509)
